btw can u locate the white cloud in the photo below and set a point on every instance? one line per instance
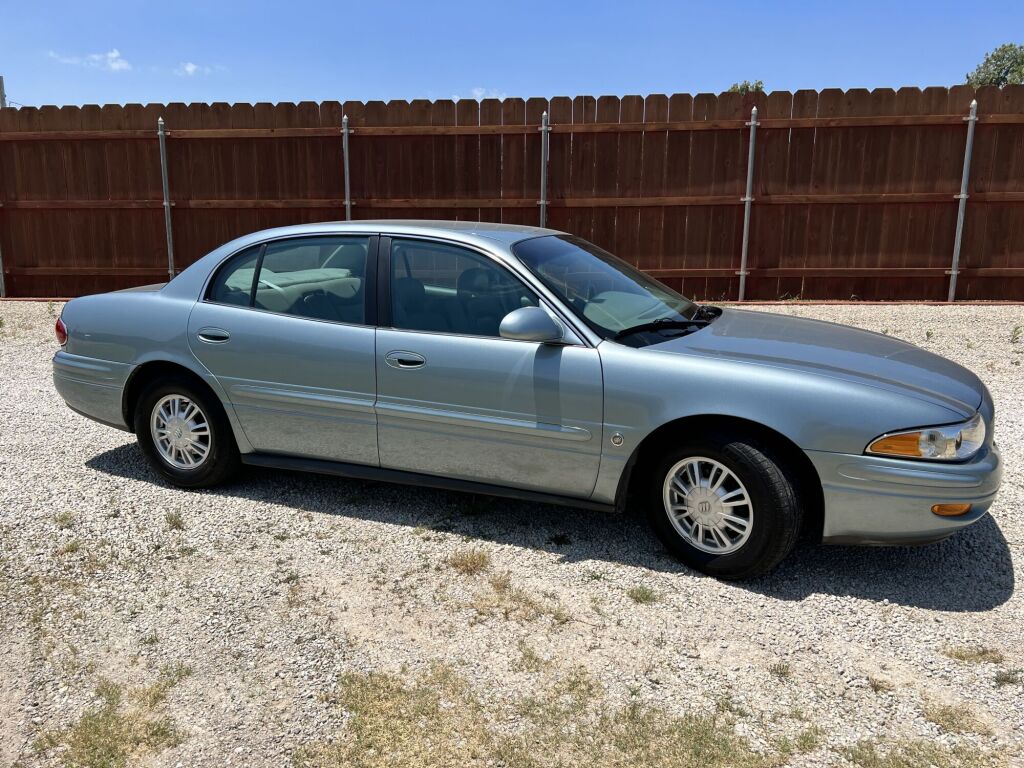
(479, 93)
(111, 61)
(190, 68)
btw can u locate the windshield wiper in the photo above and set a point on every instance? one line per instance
(706, 312)
(658, 325)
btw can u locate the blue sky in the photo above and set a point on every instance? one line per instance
(105, 52)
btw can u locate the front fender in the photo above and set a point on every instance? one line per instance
(645, 390)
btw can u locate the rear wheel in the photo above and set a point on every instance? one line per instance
(725, 506)
(184, 434)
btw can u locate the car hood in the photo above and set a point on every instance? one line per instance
(838, 351)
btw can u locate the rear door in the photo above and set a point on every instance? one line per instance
(457, 400)
(287, 328)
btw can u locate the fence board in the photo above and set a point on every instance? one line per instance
(675, 177)
(606, 173)
(490, 158)
(513, 157)
(630, 179)
(650, 224)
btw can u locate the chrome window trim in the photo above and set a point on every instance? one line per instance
(286, 314)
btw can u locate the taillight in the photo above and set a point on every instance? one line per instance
(62, 332)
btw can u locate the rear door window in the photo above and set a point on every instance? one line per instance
(323, 278)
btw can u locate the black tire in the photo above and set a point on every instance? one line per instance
(222, 459)
(776, 510)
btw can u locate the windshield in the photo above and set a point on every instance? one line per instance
(607, 293)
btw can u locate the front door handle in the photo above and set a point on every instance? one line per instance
(404, 360)
(213, 335)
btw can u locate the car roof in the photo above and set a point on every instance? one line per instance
(465, 231)
(493, 237)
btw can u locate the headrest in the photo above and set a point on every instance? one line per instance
(350, 256)
(474, 281)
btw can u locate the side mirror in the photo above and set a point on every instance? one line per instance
(530, 324)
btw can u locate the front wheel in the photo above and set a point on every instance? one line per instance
(184, 434)
(725, 506)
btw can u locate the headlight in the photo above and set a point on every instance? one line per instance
(952, 443)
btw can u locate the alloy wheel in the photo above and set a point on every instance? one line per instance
(181, 432)
(708, 505)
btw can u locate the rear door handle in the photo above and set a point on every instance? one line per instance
(404, 360)
(213, 335)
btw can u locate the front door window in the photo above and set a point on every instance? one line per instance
(441, 288)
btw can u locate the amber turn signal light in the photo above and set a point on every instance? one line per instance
(906, 444)
(951, 510)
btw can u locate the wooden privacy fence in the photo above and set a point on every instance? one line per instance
(852, 194)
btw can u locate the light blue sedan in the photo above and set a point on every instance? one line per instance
(529, 363)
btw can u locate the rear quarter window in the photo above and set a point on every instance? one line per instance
(232, 284)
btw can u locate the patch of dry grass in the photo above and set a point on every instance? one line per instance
(155, 694)
(880, 685)
(508, 601)
(529, 660)
(807, 740)
(120, 729)
(470, 562)
(1009, 677)
(642, 595)
(72, 547)
(916, 754)
(976, 654)
(437, 720)
(954, 718)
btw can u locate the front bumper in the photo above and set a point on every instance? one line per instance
(91, 387)
(875, 500)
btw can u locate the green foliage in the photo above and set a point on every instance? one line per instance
(1003, 66)
(757, 86)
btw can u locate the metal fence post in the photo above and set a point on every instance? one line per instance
(344, 160)
(162, 135)
(545, 132)
(971, 120)
(747, 200)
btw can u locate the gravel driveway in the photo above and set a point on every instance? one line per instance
(295, 619)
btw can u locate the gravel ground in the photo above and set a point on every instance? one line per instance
(247, 603)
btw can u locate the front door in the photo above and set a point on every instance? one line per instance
(455, 399)
(284, 328)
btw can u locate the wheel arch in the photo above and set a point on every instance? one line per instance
(797, 464)
(154, 370)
